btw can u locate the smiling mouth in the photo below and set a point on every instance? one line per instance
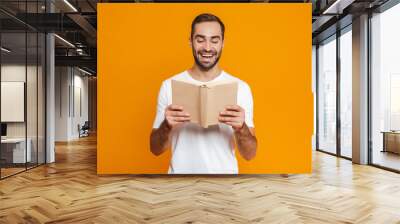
(206, 55)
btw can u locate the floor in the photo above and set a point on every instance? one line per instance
(69, 191)
(5, 172)
(10, 171)
(387, 159)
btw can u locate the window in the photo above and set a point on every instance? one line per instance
(346, 93)
(385, 88)
(327, 95)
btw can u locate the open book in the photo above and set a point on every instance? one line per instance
(204, 102)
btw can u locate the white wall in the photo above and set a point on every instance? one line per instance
(14, 73)
(17, 73)
(81, 82)
(62, 78)
(70, 83)
(33, 127)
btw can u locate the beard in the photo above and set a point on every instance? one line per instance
(206, 66)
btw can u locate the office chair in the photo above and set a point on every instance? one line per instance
(84, 130)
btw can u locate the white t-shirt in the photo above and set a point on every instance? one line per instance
(197, 150)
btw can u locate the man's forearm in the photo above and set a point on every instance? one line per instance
(246, 142)
(159, 139)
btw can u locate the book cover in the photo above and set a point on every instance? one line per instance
(204, 102)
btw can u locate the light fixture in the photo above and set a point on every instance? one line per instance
(84, 71)
(70, 5)
(5, 50)
(79, 51)
(337, 7)
(64, 40)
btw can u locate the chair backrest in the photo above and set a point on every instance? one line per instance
(86, 125)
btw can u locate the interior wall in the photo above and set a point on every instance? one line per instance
(81, 82)
(92, 109)
(80, 93)
(71, 102)
(62, 78)
(16, 72)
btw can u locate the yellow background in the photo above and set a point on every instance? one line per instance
(266, 45)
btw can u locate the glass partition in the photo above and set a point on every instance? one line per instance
(14, 153)
(22, 78)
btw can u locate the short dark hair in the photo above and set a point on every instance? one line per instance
(207, 17)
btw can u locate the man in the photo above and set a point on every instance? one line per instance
(198, 150)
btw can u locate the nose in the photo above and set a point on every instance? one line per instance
(207, 46)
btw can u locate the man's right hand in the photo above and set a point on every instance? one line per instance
(175, 115)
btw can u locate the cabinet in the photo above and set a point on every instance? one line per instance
(391, 142)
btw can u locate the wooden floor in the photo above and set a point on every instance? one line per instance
(69, 191)
(387, 159)
(5, 172)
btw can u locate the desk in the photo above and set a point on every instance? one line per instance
(13, 150)
(391, 141)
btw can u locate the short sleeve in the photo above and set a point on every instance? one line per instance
(162, 103)
(245, 100)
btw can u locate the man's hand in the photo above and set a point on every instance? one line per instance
(175, 115)
(159, 138)
(233, 115)
(245, 138)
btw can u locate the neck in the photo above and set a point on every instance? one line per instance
(204, 76)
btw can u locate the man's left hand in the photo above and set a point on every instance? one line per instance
(233, 115)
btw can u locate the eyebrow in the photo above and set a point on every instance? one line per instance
(202, 36)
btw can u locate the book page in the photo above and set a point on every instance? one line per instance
(203, 105)
(187, 95)
(219, 96)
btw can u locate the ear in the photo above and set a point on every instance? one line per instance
(190, 42)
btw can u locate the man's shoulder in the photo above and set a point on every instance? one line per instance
(166, 84)
(179, 76)
(234, 78)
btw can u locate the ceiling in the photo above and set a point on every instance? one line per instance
(72, 20)
(331, 17)
(76, 22)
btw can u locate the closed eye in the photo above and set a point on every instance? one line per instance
(215, 40)
(200, 39)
